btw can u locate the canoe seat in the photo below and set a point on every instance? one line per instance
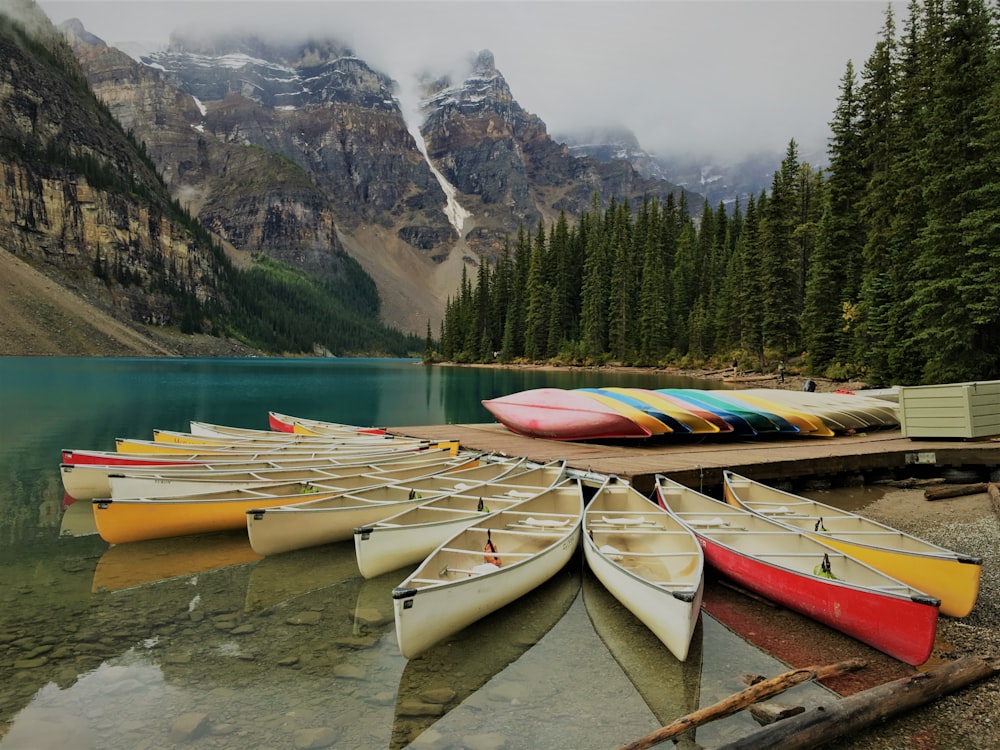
(612, 552)
(544, 522)
(623, 521)
(706, 522)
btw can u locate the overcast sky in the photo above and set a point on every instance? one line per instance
(717, 77)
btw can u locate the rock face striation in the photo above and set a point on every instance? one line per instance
(301, 152)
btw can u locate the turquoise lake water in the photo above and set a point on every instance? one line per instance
(157, 644)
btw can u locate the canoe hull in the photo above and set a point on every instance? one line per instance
(426, 619)
(657, 573)
(557, 414)
(902, 628)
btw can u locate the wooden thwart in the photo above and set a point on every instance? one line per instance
(742, 699)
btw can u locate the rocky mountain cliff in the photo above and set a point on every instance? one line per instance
(296, 151)
(76, 196)
(302, 151)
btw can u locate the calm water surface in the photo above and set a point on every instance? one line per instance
(198, 641)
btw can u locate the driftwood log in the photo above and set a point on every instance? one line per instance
(738, 701)
(824, 724)
(954, 490)
(994, 491)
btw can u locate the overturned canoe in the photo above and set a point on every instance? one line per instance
(559, 414)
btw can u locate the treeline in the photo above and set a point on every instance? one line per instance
(276, 308)
(885, 266)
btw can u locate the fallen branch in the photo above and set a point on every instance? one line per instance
(994, 490)
(739, 701)
(849, 715)
(954, 490)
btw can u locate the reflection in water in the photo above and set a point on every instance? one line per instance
(277, 579)
(442, 677)
(125, 565)
(78, 520)
(671, 688)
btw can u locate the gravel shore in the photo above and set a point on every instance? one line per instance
(968, 718)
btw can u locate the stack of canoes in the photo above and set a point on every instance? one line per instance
(621, 413)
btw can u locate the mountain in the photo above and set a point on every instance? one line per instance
(82, 201)
(717, 180)
(300, 150)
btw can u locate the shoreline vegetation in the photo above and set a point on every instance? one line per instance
(793, 381)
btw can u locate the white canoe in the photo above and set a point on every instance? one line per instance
(206, 429)
(944, 574)
(281, 528)
(650, 561)
(177, 483)
(88, 481)
(407, 538)
(462, 581)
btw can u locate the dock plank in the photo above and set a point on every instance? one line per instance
(701, 464)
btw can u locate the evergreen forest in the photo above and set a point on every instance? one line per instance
(885, 266)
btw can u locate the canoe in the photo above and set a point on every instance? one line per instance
(650, 561)
(559, 414)
(207, 429)
(944, 574)
(175, 483)
(268, 439)
(807, 576)
(694, 421)
(90, 480)
(454, 669)
(285, 423)
(408, 537)
(486, 566)
(281, 527)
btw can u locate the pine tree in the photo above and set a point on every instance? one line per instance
(780, 262)
(956, 136)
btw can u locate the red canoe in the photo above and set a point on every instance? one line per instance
(559, 414)
(807, 576)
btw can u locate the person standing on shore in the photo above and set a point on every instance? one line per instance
(781, 371)
(736, 367)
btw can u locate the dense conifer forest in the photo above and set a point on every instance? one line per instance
(885, 266)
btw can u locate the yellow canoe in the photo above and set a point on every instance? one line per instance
(942, 573)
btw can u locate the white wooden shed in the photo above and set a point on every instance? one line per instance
(950, 410)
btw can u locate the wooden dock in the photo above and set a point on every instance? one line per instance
(700, 464)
